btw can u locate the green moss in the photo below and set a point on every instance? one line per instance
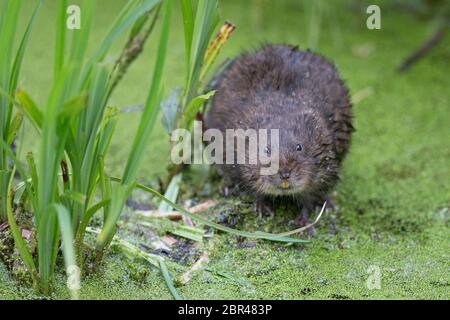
(394, 198)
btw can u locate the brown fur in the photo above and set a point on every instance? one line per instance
(301, 94)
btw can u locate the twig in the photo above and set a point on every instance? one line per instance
(199, 265)
(288, 233)
(175, 215)
(203, 206)
(171, 215)
(3, 226)
(423, 49)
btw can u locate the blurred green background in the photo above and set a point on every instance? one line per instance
(394, 197)
(336, 29)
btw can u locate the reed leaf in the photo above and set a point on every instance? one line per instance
(151, 107)
(168, 278)
(17, 65)
(29, 108)
(65, 226)
(205, 21)
(60, 37)
(188, 23)
(80, 39)
(9, 11)
(254, 235)
(16, 123)
(129, 14)
(19, 241)
(194, 106)
(121, 192)
(171, 193)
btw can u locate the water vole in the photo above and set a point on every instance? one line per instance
(301, 94)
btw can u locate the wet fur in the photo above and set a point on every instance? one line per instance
(301, 94)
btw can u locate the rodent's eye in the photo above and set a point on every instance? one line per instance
(267, 150)
(299, 147)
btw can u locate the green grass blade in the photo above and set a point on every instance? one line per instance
(194, 106)
(188, 24)
(191, 233)
(29, 108)
(60, 37)
(254, 235)
(26, 105)
(107, 129)
(21, 50)
(168, 279)
(74, 196)
(119, 193)
(65, 226)
(105, 186)
(17, 235)
(126, 18)
(34, 177)
(9, 12)
(96, 103)
(51, 149)
(171, 193)
(53, 139)
(80, 38)
(132, 252)
(47, 240)
(89, 214)
(73, 107)
(203, 28)
(18, 165)
(16, 123)
(152, 104)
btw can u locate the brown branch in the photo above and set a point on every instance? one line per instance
(431, 42)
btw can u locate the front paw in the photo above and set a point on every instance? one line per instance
(303, 220)
(264, 208)
(224, 191)
(331, 204)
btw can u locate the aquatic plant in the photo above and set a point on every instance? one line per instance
(10, 66)
(66, 183)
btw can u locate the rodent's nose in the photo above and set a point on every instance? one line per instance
(285, 173)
